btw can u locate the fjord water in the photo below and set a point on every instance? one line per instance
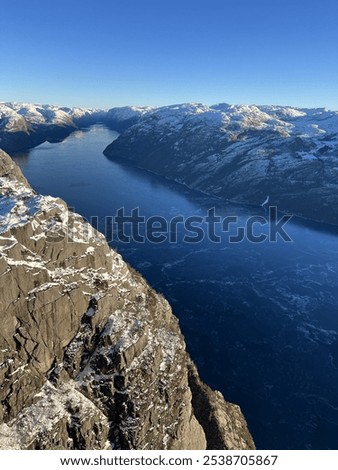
(260, 320)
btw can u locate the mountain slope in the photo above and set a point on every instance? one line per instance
(242, 153)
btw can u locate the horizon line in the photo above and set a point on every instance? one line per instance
(323, 108)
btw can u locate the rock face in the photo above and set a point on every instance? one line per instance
(90, 356)
(242, 153)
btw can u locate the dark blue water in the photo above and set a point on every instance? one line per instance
(260, 320)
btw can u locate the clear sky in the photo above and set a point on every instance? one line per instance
(106, 53)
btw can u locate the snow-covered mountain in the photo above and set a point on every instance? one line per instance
(242, 153)
(27, 125)
(122, 118)
(24, 125)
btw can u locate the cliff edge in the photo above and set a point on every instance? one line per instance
(90, 356)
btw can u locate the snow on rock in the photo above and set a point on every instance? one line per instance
(54, 410)
(128, 112)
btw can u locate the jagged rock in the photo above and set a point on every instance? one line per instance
(90, 356)
(222, 421)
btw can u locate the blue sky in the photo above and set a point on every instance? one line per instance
(112, 53)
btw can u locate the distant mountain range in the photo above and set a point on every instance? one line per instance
(242, 153)
(25, 125)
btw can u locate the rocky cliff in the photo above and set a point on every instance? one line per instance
(90, 356)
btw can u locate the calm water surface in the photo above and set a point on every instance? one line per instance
(260, 320)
